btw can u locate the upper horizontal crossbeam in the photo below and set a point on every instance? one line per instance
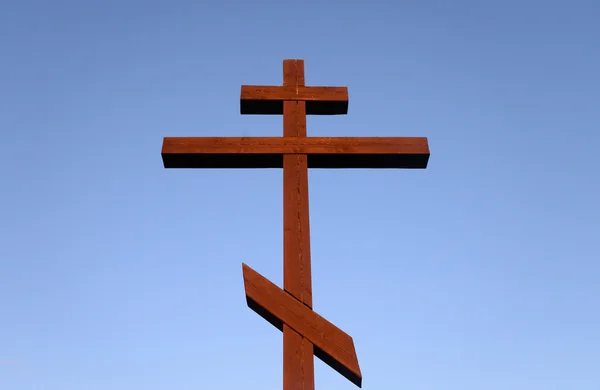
(266, 100)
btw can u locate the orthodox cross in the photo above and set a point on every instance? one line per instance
(305, 333)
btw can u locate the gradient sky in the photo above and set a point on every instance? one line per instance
(480, 272)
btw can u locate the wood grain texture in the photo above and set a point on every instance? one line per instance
(265, 100)
(299, 145)
(268, 100)
(331, 344)
(298, 361)
(323, 152)
(296, 233)
(298, 353)
(300, 93)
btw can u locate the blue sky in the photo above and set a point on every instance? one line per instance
(480, 272)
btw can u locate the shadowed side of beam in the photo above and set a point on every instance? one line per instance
(323, 152)
(332, 345)
(266, 100)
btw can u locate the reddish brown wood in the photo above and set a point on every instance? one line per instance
(295, 144)
(323, 152)
(267, 100)
(305, 333)
(298, 353)
(294, 93)
(298, 361)
(333, 345)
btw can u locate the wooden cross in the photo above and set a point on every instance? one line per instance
(305, 333)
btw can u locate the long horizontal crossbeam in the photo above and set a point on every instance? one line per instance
(268, 100)
(278, 307)
(323, 152)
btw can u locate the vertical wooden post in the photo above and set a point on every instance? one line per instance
(298, 357)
